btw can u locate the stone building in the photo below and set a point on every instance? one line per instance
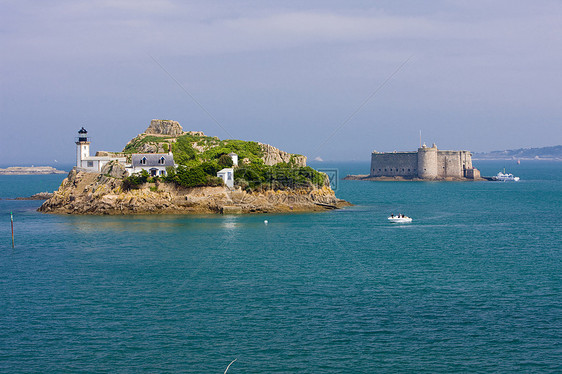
(425, 163)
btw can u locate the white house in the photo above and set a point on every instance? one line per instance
(227, 175)
(234, 157)
(90, 163)
(154, 163)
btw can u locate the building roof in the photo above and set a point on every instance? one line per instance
(152, 159)
(104, 158)
(82, 131)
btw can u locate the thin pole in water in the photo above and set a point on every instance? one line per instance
(12, 222)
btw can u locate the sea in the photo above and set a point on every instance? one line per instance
(473, 284)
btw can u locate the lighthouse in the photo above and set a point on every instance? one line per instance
(82, 147)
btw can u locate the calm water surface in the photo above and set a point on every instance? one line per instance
(473, 284)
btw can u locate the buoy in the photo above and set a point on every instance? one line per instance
(12, 223)
(266, 222)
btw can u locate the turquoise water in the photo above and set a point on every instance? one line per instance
(473, 284)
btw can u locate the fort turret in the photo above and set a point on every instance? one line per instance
(427, 162)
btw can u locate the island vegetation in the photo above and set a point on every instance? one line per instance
(200, 157)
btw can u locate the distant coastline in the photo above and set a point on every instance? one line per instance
(512, 158)
(553, 153)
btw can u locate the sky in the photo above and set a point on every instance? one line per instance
(328, 79)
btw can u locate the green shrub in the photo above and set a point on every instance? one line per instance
(244, 149)
(170, 174)
(211, 167)
(279, 177)
(183, 150)
(135, 181)
(214, 181)
(191, 177)
(225, 161)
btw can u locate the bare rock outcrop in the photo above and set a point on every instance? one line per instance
(37, 196)
(114, 169)
(97, 193)
(273, 156)
(164, 127)
(148, 148)
(110, 154)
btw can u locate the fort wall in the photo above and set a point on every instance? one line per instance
(403, 164)
(449, 164)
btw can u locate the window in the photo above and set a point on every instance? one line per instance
(90, 164)
(143, 161)
(161, 161)
(379, 169)
(384, 169)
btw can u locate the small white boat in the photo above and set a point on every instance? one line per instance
(505, 177)
(400, 219)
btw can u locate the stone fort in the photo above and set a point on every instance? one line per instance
(426, 163)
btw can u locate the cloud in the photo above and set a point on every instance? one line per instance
(277, 68)
(106, 29)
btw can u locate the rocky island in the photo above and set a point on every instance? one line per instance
(30, 170)
(196, 180)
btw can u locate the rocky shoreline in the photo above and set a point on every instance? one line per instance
(37, 196)
(97, 194)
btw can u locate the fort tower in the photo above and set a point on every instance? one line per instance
(427, 162)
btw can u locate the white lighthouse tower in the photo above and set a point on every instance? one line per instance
(82, 147)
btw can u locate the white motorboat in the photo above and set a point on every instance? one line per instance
(505, 177)
(399, 219)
